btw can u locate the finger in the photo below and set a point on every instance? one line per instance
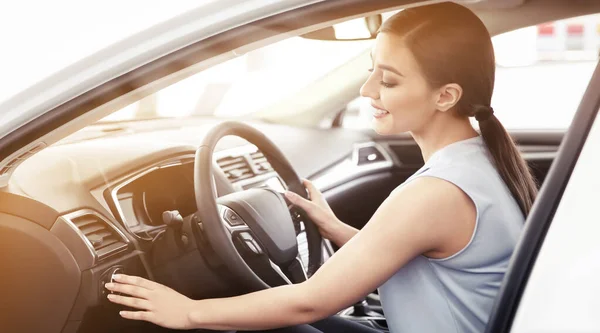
(137, 315)
(299, 201)
(128, 289)
(312, 190)
(137, 281)
(291, 196)
(131, 302)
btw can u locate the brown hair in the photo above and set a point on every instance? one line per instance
(452, 45)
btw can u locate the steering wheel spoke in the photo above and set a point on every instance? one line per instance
(280, 272)
(292, 273)
(298, 270)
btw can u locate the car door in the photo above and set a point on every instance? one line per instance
(562, 291)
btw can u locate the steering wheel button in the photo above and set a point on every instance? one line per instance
(253, 247)
(246, 236)
(232, 218)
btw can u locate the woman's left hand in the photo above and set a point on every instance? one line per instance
(158, 304)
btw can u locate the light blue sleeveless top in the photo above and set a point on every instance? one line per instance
(456, 294)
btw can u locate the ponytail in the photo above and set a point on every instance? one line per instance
(510, 165)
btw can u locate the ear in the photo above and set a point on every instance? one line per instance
(448, 95)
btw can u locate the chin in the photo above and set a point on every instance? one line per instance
(382, 132)
(384, 127)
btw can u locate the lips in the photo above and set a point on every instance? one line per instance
(379, 112)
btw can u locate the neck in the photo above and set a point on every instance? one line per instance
(443, 130)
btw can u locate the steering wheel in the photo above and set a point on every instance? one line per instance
(257, 219)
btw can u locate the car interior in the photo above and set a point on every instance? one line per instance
(125, 188)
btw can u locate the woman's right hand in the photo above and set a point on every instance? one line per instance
(317, 209)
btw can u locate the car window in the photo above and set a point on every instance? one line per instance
(541, 74)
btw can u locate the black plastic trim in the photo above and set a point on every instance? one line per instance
(542, 213)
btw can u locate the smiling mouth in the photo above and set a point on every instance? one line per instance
(377, 112)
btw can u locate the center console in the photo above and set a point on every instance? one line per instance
(367, 312)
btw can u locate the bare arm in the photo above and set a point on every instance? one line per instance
(342, 234)
(403, 227)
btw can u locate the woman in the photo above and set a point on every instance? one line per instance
(439, 245)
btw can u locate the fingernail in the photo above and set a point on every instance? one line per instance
(117, 276)
(109, 285)
(110, 296)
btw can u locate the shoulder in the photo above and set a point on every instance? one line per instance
(429, 189)
(437, 209)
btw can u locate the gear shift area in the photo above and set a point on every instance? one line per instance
(368, 312)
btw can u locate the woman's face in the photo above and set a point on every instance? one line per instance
(401, 99)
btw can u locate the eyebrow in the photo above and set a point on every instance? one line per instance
(386, 67)
(390, 69)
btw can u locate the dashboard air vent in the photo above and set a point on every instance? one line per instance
(369, 154)
(235, 167)
(260, 162)
(103, 238)
(22, 157)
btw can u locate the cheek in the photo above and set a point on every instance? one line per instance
(408, 106)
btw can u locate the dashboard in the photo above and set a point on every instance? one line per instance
(141, 200)
(81, 210)
(86, 208)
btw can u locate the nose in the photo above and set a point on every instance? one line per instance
(369, 88)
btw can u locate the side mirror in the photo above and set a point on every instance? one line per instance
(363, 28)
